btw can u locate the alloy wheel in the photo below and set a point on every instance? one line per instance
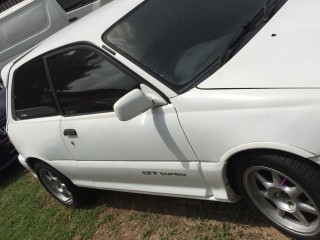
(282, 200)
(57, 187)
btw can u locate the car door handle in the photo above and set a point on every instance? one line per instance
(70, 133)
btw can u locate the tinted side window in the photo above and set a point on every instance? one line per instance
(85, 82)
(32, 94)
(69, 5)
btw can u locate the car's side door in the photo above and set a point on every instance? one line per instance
(149, 153)
(35, 117)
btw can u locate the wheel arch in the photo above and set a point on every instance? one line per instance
(32, 162)
(249, 150)
(68, 168)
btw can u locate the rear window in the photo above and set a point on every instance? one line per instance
(176, 40)
(32, 94)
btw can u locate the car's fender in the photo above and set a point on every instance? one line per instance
(266, 145)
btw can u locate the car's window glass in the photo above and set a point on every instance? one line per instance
(86, 82)
(69, 5)
(32, 94)
(178, 39)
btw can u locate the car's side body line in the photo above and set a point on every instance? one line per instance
(216, 183)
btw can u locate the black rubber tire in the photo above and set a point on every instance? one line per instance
(77, 194)
(303, 171)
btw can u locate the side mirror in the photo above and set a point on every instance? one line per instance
(132, 104)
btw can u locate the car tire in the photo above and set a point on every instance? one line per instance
(284, 188)
(59, 186)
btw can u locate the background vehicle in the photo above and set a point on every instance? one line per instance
(210, 104)
(25, 23)
(8, 154)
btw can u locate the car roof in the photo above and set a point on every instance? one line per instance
(88, 29)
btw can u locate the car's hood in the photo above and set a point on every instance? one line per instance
(291, 59)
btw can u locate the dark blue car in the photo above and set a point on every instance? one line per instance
(8, 154)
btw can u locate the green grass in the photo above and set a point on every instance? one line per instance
(28, 212)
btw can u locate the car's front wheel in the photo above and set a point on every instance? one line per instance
(285, 190)
(58, 185)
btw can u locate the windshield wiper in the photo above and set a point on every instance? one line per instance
(263, 16)
(267, 10)
(244, 29)
(271, 7)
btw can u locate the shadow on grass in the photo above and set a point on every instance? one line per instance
(239, 213)
(11, 174)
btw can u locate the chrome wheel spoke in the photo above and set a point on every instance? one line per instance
(65, 190)
(49, 176)
(293, 192)
(307, 208)
(276, 179)
(263, 180)
(301, 218)
(264, 194)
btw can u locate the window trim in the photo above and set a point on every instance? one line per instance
(55, 98)
(73, 46)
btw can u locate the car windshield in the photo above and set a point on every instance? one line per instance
(177, 40)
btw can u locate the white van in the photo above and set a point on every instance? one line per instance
(24, 23)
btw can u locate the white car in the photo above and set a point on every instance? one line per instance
(202, 99)
(25, 23)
